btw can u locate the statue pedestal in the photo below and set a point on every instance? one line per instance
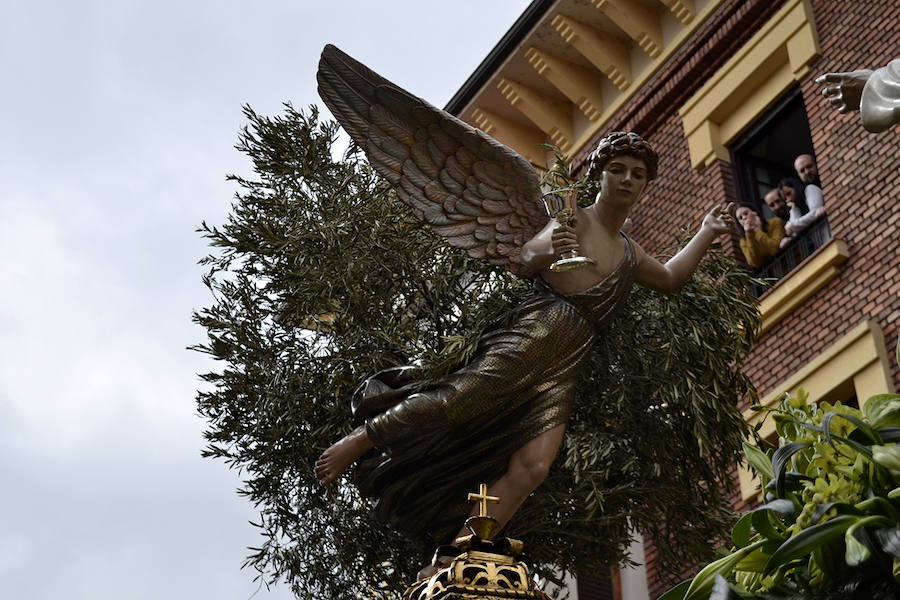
(484, 569)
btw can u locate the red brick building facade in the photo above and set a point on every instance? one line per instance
(710, 73)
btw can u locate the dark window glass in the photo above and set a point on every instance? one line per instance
(765, 154)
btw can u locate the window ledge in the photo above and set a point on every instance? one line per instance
(810, 276)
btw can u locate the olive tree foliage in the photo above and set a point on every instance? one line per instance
(321, 277)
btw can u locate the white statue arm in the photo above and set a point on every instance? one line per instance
(879, 106)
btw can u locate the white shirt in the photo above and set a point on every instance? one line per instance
(814, 200)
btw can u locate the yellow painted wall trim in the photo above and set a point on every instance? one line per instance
(605, 52)
(776, 57)
(578, 84)
(801, 283)
(859, 359)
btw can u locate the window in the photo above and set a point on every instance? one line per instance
(765, 153)
(751, 105)
(763, 156)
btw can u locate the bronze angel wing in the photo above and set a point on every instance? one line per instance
(479, 194)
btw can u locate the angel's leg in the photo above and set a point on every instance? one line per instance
(342, 454)
(528, 468)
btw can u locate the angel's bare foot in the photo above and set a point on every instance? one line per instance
(342, 454)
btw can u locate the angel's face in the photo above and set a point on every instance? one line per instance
(622, 180)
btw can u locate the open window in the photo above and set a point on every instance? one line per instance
(765, 154)
(750, 110)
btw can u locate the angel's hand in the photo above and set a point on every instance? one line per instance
(719, 219)
(843, 90)
(564, 240)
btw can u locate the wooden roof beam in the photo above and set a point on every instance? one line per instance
(604, 51)
(552, 117)
(521, 138)
(579, 85)
(639, 22)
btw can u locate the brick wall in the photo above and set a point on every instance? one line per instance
(860, 173)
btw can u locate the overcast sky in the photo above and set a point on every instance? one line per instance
(118, 125)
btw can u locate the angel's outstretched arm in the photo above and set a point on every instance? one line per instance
(671, 276)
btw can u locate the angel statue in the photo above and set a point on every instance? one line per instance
(501, 417)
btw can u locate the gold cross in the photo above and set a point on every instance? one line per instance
(483, 499)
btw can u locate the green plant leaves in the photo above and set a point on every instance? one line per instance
(766, 523)
(792, 481)
(808, 540)
(759, 461)
(825, 522)
(864, 428)
(856, 552)
(889, 538)
(858, 541)
(889, 434)
(783, 507)
(756, 560)
(883, 410)
(842, 508)
(779, 464)
(740, 535)
(702, 583)
(677, 592)
(861, 448)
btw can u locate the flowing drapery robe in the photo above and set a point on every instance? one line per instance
(435, 441)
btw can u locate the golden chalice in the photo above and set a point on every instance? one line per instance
(563, 210)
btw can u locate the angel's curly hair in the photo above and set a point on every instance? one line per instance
(623, 142)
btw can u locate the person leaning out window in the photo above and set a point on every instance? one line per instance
(807, 204)
(760, 239)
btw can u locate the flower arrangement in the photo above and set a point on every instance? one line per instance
(829, 527)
